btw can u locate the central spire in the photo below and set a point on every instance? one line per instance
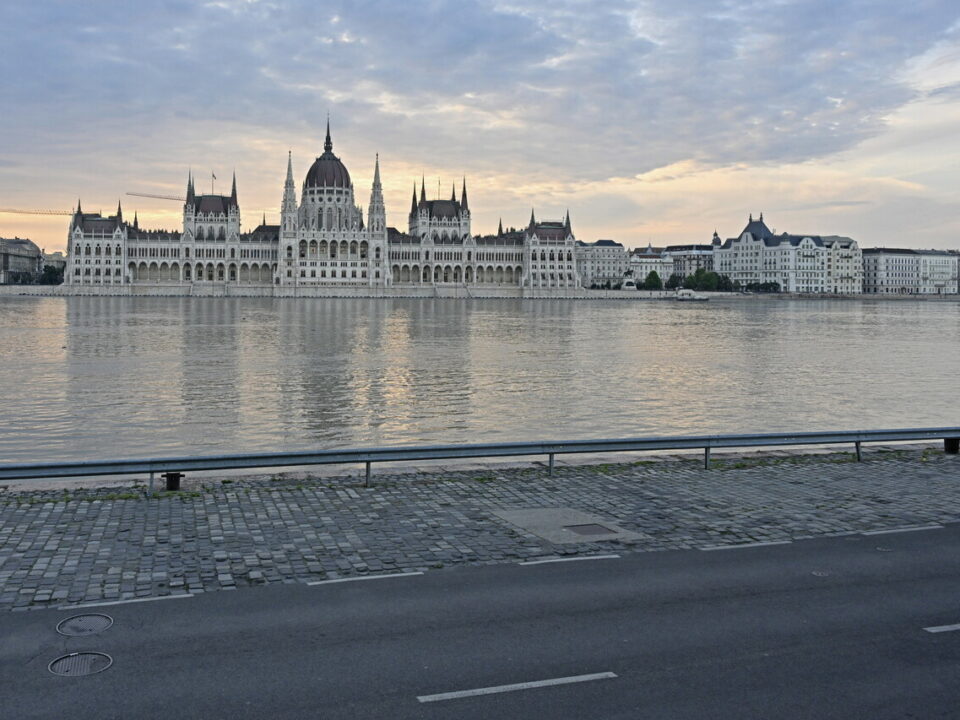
(328, 143)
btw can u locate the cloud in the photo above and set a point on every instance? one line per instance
(106, 95)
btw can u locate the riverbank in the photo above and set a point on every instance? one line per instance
(110, 544)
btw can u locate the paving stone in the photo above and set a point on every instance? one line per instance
(256, 530)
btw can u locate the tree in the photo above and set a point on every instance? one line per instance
(674, 281)
(51, 275)
(653, 281)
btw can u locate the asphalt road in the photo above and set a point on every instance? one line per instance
(827, 628)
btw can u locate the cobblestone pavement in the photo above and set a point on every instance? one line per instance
(64, 547)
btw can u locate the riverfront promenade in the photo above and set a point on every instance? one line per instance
(71, 546)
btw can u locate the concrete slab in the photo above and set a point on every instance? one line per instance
(554, 525)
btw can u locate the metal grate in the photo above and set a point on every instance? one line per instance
(85, 663)
(590, 529)
(81, 625)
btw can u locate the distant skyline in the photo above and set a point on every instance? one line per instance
(651, 121)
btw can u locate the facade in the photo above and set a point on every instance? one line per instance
(892, 271)
(643, 261)
(797, 263)
(602, 262)
(21, 261)
(687, 259)
(323, 240)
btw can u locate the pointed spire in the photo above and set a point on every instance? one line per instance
(500, 228)
(119, 211)
(376, 171)
(328, 143)
(190, 195)
(136, 223)
(463, 195)
(533, 220)
(413, 204)
(289, 167)
(423, 189)
(79, 211)
(264, 221)
(751, 218)
(233, 190)
(761, 217)
(453, 192)
(566, 222)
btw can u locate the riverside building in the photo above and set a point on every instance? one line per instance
(892, 271)
(603, 262)
(323, 241)
(798, 263)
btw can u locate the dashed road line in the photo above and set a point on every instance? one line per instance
(382, 576)
(746, 545)
(126, 602)
(516, 686)
(911, 528)
(942, 628)
(568, 559)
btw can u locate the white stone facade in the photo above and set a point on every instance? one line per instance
(797, 263)
(602, 262)
(891, 271)
(643, 261)
(322, 241)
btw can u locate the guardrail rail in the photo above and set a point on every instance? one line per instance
(174, 467)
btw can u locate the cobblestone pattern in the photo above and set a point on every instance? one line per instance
(102, 545)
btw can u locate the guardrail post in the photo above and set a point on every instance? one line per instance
(366, 482)
(706, 458)
(550, 471)
(951, 446)
(859, 452)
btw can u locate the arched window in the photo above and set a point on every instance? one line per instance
(200, 235)
(377, 255)
(289, 251)
(303, 248)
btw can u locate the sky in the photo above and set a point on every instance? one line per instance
(656, 121)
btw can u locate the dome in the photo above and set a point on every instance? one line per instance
(327, 170)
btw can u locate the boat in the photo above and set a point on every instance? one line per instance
(685, 295)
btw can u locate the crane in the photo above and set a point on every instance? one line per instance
(19, 211)
(158, 197)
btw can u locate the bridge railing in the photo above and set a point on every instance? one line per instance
(174, 467)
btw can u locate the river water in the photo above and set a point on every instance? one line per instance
(94, 378)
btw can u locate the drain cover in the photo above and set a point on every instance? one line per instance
(80, 625)
(590, 529)
(85, 663)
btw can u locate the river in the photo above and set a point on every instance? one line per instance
(101, 377)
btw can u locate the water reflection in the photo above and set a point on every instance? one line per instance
(106, 377)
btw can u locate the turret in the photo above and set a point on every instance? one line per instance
(377, 214)
(119, 213)
(463, 196)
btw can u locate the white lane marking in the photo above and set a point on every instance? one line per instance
(383, 576)
(126, 602)
(912, 528)
(746, 545)
(516, 686)
(942, 628)
(569, 559)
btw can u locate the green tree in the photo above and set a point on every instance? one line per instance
(674, 281)
(653, 281)
(51, 275)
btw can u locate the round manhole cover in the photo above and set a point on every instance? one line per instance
(84, 663)
(80, 625)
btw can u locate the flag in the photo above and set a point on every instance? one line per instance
(214, 176)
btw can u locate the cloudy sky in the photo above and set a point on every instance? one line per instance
(652, 121)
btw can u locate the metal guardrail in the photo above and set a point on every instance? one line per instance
(175, 466)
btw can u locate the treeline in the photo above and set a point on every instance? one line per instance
(705, 281)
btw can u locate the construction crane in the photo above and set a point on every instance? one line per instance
(158, 197)
(18, 211)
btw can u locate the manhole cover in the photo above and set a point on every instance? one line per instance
(80, 625)
(590, 529)
(85, 663)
